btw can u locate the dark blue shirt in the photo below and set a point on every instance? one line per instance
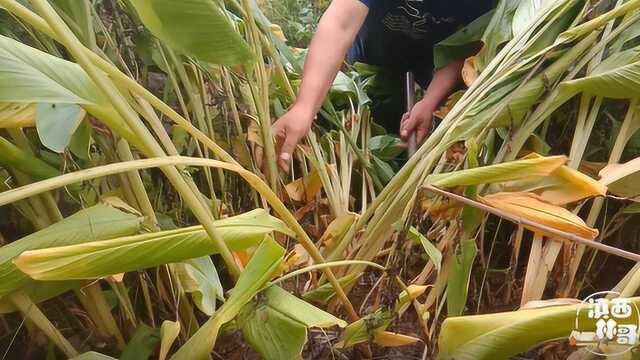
(400, 34)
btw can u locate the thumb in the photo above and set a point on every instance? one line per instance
(409, 126)
(286, 151)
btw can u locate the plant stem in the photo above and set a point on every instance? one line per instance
(119, 103)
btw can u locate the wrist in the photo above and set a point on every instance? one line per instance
(427, 105)
(303, 112)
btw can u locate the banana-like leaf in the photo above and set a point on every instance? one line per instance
(623, 179)
(103, 258)
(525, 13)
(563, 186)
(142, 344)
(432, 251)
(95, 223)
(28, 75)
(498, 336)
(508, 171)
(13, 157)
(280, 315)
(199, 277)
(198, 28)
(616, 77)
(461, 44)
(56, 124)
(498, 32)
(534, 208)
(17, 115)
(264, 265)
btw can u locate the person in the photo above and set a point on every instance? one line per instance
(396, 35)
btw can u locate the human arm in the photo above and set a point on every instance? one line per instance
(419, 119)
(336, 31)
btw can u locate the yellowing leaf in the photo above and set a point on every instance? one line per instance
(504, 172)
(469, 71)
(277, 31)
(571, 186)
(169, 331)
(563, 186)
(623, 179)
(389, 339)
(532, 207)
(305, 188)
(337, 229)
(17, 115)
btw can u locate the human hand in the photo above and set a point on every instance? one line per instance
(418, 120)
(288, 131)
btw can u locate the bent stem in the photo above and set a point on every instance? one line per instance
(252, 179)
(68, 39)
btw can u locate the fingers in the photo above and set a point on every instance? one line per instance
(423, 130)
(409, 124)
(286, 151)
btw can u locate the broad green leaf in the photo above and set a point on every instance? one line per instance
(30, 75)
(497, 33)
(92, 224)
(142, 344)
(525, 97)
(461, 44)
(526, 12)
(279, 315)
(499, 336)
(465, 251)
(200, 278)
(56, 124)
(272, 334)
(508, 171)
(81, 141)
(264, 264)
(13, 157)
(103, 258)
(616, 77)
(385, 147)
(198, 28)
(623, 179)
(432, 251)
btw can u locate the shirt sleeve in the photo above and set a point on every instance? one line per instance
(367, 3)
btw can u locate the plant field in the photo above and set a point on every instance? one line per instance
(143, 214)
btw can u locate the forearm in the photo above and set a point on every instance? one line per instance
(327, 51)
(443, 83)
